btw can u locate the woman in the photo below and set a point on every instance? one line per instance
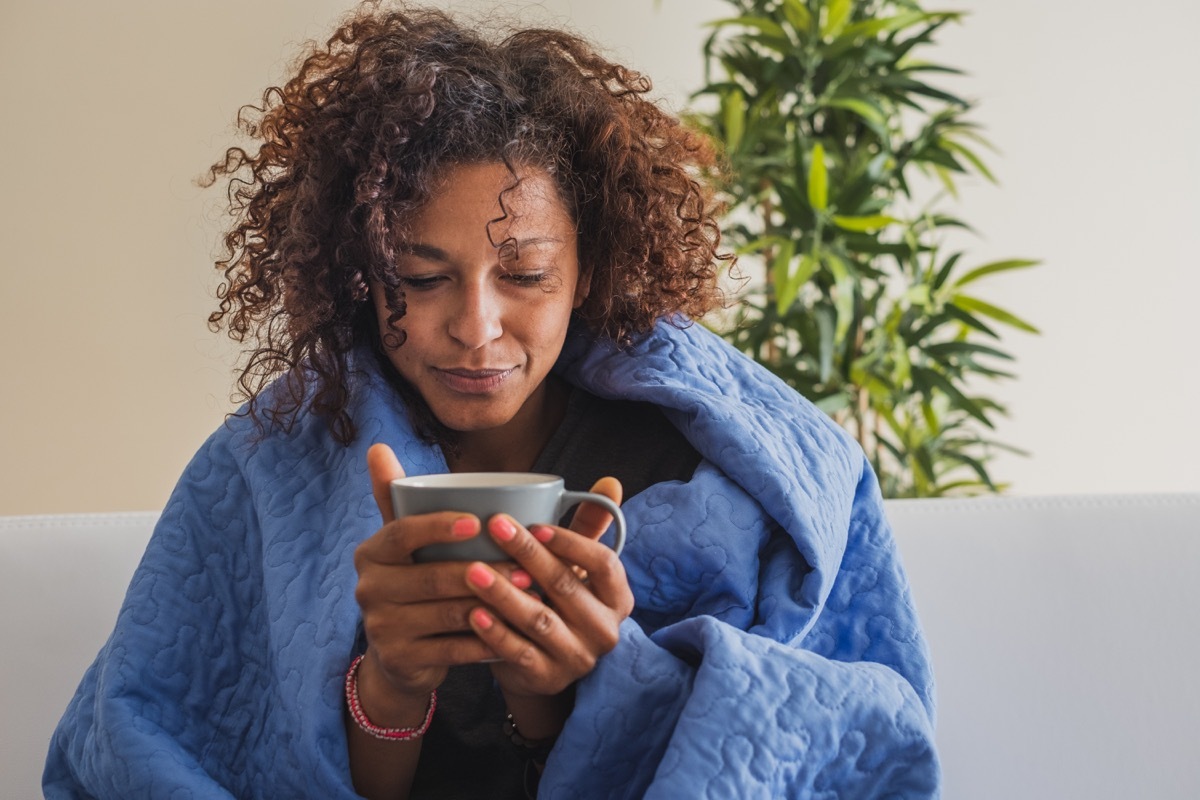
(459, 254)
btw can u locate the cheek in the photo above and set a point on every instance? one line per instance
(401, 333)
(548, 324)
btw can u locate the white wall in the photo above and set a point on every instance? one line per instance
(112, 109)
(1093, 108)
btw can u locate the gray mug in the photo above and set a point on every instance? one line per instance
(529, 498)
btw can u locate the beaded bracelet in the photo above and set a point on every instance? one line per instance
(537, 750)
(365, 724)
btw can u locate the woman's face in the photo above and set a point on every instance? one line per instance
(481, 336)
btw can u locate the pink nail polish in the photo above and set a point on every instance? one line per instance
(464, 527)
(502, 528)
(543, 533)
(482, 618)
(480, 576)
(521, 579)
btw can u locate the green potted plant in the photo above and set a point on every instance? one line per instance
(826, 117)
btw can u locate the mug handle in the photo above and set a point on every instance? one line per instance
(568, 499)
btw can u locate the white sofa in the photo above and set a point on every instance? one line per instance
(1063, 632)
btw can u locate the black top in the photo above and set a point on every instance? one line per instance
(465, 753)
(630, 441)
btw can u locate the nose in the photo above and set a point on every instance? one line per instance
(478, 320)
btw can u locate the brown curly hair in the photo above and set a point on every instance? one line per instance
(352, 146)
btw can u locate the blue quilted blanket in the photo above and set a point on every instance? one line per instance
(774, 650)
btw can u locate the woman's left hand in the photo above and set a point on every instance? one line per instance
(546, 646)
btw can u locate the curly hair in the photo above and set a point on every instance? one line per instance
(353, 145)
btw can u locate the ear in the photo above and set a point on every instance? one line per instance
(582, 287)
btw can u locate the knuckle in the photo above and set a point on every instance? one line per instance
(364, 590)
(611, 562)
(526, 657)
(542, 622)
(608, 639)
(388, 535)
(376, 632)
(584, 663)
(524, 547)
(429, 581)
(454, 616)
(564, 583)
(361, 557)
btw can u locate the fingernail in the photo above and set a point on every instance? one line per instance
(482, 618)
(502, 528)
(480, 575)
(521, 579)
(543, 533)
(464, 527)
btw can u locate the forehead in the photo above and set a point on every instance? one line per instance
(523, 199)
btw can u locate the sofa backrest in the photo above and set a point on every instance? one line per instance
(1062, 632)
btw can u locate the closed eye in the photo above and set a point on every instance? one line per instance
(526, 278)
(419, 283)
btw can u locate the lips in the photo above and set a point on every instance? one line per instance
(473, 381)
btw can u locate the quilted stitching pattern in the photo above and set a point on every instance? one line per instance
(773, 651)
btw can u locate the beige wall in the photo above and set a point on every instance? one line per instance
(111, 379)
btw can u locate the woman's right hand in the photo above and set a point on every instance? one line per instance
(415, 615)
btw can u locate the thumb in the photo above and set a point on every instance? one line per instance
(383, 467)
(591, 520)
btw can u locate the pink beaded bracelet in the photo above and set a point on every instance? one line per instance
(365, 724)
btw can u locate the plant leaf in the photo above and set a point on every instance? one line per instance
(830, 116)
(966, 348)
(779, 273)
(899, 82)
(970, 320)
(923, 466)
(967, 303)
(973, 464)
(825, 325)
(818, 179)
(868, 111)
(969, 155)
(837, 13)
(873, 27)
(797, 15)
(995, 266)
(868, 224)
(944, 271)
(833, 403)
(807, 268)
(759, 244)
(733, 113)
(843, 298)
(918, 295)
(947, 180)
(960, 400)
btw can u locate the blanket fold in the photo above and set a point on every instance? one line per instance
(773, 651)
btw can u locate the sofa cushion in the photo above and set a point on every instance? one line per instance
(1063, 639)
(61, 583)
(1061, 631)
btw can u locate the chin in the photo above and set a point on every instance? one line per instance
(463, 421)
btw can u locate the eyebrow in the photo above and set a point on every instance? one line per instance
(432, 253)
